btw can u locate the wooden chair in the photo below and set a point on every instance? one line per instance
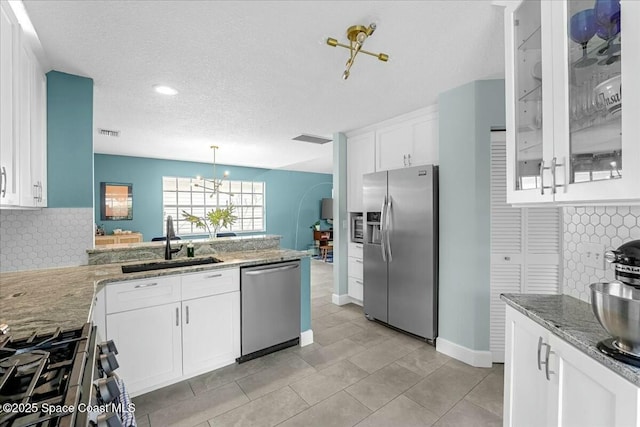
(325, 242)
(325, 250)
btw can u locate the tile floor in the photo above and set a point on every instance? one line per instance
(357, 372)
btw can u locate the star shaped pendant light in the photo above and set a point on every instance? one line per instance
(214, 184)
(357, 35)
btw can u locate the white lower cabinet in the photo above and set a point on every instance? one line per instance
(210, 332)
(149, 342)
(171, 328)
(526, 400)
(548, 382)
(355, 274)
(587, 393)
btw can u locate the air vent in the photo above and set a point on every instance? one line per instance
(107, 132)
(312, 139)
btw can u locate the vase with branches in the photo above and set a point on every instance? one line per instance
(214, 219)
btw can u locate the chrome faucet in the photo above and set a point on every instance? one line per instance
(170, 234)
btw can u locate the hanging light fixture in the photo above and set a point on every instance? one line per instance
(357, 34)
(214, 184)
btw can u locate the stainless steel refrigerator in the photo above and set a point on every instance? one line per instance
(401, 249)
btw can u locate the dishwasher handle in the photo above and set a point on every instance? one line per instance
(271, 270)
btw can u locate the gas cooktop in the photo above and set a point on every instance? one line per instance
(58, 379)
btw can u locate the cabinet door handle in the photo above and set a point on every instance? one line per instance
(554, 165)
(146, 285)
(177, 316)
(359, 282)
(552, 168)
(213, 276)
(359, 246)
(547, 372)
(542, 168)
(540, 344)
(4, 182)
(188, 316)
(35, 193)
(409, 159)
(359, 261)
(405, 159)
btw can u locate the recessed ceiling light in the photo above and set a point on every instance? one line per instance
(165, 90)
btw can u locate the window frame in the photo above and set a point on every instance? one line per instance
(200, 201)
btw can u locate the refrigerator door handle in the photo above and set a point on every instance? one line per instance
(388, 228)
(383, 218)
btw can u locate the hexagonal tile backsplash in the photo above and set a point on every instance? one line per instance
(610, 226)
(45, 238)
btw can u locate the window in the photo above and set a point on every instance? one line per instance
(182, 194)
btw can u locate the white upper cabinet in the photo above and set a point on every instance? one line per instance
(23, 133)
(32, 132)
(410, 142)
(361, 160)
(9, 32)
(403, 141)
(569, 139)
(38, 141)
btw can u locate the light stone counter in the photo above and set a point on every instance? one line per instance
(155, 250)
(62, 297)
(573, 321)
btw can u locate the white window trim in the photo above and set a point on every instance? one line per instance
(217, 199)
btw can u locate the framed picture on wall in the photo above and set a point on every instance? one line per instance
(116, 201)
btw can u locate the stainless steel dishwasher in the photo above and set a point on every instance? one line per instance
(270, 306)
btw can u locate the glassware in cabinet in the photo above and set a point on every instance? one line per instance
(594, 90)
(527, 31)
(529, 106)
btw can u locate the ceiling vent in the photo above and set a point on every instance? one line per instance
(107, 132)
(312, 139)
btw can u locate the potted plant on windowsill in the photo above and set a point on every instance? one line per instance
(217, 218)
(315, 226)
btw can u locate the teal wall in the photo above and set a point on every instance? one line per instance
(69, 141)
(341, 239)
(466, 116)
(292, 198)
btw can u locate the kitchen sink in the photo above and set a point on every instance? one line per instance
(161, 265)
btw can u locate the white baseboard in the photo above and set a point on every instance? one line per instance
(477, 358)
(356, 301)
(340, 299)
(497, 356)
(306, 337)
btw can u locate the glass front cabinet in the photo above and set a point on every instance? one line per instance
(570, 136)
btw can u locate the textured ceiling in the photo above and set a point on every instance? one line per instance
(252, 75)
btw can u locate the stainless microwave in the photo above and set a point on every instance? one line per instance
(357, 229)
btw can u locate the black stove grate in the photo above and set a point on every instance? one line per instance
(42, 369)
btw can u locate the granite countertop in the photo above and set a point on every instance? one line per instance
(160, 244)
(45, 299)
(573, 321)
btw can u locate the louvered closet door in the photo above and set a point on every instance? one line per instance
(542, 243)
(525, 248)
(506, 245)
